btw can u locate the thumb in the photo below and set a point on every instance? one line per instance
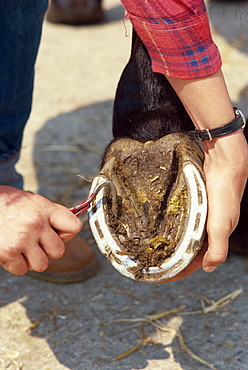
(222, 218)
(217, 249)
(64, 222)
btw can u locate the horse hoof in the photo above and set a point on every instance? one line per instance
(150, 222)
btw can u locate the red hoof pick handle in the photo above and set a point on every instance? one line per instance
(83, 206)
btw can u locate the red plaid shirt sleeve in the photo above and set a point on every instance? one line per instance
(177, 36)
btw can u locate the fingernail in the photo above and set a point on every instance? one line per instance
(209, 268)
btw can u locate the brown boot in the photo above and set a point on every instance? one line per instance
(75, 12)
(77, 264)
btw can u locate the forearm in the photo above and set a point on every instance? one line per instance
(209, 106)
(206, 100)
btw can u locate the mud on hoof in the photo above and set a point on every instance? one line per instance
(150, 222)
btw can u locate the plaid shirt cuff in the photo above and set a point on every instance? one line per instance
(179, 49)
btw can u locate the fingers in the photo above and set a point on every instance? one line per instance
(22, 252)
(17, 266)
(18, 260)
(64, 222)
(58, 217)
(34, 257)
(54, 225)
(51, 244)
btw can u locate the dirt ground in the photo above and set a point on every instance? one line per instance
(46, 326)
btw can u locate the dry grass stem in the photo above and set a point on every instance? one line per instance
(61, 148)
(214, 305)
(191, 354)
(131, 294)
(179, 335)
(165, 313)
(13, 361)
(61, 198)
(18, 366)
(137, 319)
(221, 303)
(96, 297)
(84, 178)
(91, 148)
(51, 315)
(36, 322)
(132, 349)
(152, 317)
(153, 320)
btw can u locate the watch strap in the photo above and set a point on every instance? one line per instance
(237, 123)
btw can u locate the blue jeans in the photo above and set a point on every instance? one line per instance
(20, 32)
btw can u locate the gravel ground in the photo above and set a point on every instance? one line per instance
(47, 326)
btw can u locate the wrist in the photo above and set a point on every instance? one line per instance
(227, 154)
(237, 123)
